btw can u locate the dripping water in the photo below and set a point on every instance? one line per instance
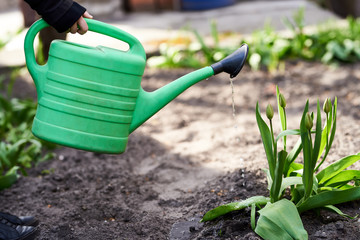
(233, 105)
(232, 98)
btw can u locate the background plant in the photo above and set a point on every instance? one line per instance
(309, 187)
(330, 43)
(193, 54)
(19, 149)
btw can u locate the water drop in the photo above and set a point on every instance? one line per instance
(232, 97)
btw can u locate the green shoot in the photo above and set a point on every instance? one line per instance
(309, 189)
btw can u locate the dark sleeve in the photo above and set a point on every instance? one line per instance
(61, 14)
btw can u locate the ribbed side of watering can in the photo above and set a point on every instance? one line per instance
(88, 97)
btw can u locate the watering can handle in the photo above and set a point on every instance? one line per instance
(94, 26)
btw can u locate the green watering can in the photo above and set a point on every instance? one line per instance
(90, 98)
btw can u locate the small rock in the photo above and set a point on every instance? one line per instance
(251, 236)
(185, 230)
(339, 225)
(249, 186)
(57, 178)
(320, 234)
(109, 188)
(78, 178)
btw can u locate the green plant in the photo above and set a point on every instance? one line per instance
(8, 37)
(330, 43)
(19, 149)
(267, 49)
(309, 189)
(193, 55)
(270, 49)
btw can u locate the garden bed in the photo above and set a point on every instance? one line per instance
(189, 158)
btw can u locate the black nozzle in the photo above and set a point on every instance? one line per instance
(233, 63)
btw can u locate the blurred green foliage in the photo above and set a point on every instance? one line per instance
(19, 149)
(194, 54)
(330, 43)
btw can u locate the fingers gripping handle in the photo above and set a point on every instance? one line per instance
(111, 31)
(94, 26)
(38, 72)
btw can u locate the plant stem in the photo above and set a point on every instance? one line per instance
(327, 132)
(309, 186)
(311, 146)
(273, 193)
(273, 140)
(285, 129)
(327, 143)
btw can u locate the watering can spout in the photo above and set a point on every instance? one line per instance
(148, 103)
(233, 63)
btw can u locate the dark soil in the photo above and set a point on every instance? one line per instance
(189, 158)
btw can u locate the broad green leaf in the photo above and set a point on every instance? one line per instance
(224, 209)
(346, 187)
(290, 181)
(338, 211)
(280, 220)
(9, 178)
(267, 141)
(297, 194)
(287, 133)
(15, 150)
(3, 157)
(329, 198)
(296, 167)
(338, 50)
(342, 178)
(335, 168)
(269, 230)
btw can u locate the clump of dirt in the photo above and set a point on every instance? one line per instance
(189, 158)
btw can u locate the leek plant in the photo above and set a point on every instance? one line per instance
(309, 188)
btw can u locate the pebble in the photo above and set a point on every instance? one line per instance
(57, 178)
(339, 225)
(320, 234)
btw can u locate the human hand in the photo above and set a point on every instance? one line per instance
(80, 26)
